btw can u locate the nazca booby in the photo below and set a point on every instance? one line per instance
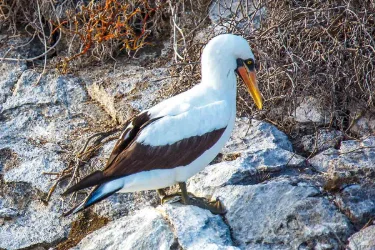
(177, 138)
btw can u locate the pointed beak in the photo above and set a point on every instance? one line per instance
(249, 78)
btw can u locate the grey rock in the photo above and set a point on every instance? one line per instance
(280, 215)
(40, 118)
(10, 73)
(197, 228)
(254, 134)
(322, 160)
(8, 212)
(322, 140)
(311, 110)
(352, 156)
(355, 155)
(127, 93)
(358, 203)
(147, 229)
(35, 162)
(121, 204)
(39, 224)
(364, 120)
(228, 13)
(363, 240)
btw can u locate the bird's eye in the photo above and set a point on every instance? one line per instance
(249, 62)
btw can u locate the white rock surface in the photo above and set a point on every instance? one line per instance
(127, 93)
(147, 229)
(321, 161)
(40, 224)
(229, 13)
(38, 120)
(352, 155)
(358, 203)
(197, 228)
(311, 110)
(363, 240)
(281, 215)
(254, 135)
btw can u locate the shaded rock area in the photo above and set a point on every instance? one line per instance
(310, 110)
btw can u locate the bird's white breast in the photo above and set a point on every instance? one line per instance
(161, 178)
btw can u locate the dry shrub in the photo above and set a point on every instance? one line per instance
(97, 29)
(323, 49)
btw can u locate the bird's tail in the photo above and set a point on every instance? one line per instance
(99, 193)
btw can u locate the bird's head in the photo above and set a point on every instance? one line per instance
(234, 53)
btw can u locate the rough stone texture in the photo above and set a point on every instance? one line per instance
(322, 140)
(363, 240)
(358, 203)
(10, 72)
(278, 215)
(39, 225)
(121, 204)
(322, 160)
(311, 110)
(226, 13)
(197, 228)
(364, 120)
(254, 134)
(352, 156)
(127, 93)
(38, 121)
(147, 229)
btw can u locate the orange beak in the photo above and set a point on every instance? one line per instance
(250, 80)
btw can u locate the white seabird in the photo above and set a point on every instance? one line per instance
(177, 138)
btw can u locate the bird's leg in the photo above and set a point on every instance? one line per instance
(216, 207)
(167, 198)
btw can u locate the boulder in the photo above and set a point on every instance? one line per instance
(146, 229)
(364, 239)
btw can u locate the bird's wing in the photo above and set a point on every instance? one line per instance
(162, 143)
(172, 141)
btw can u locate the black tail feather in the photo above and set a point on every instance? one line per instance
(96, 178)
(94, 197)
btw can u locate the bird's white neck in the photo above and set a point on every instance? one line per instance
(219, 76)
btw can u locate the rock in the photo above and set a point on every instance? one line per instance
(322, 160)
(147, 229)
(364, 120)
(39, 225)
(358, 203)
(127, 93)
(323, 140)
(355, 155)
(254, 134)
(363, 240)
(352, 156)
(197, 228)
(8, 213)
(121, 204)
(311, 110)
(39, 120)
(279, 215)
(10, 73)
(228, 13)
